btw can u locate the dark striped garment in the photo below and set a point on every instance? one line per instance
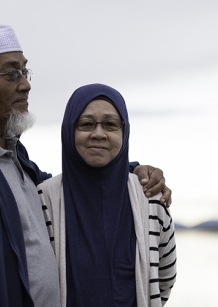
(162, 251)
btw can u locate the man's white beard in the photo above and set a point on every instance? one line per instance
(19, 122)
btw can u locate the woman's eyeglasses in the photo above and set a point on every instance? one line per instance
(107, 125)
(15, 75)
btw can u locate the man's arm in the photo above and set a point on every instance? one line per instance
(153, 182)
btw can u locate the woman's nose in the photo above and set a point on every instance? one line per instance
(99, 131)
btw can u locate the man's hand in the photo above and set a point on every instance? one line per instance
(153, 182)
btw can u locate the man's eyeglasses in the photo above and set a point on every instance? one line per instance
(90, 125)
(15, 75)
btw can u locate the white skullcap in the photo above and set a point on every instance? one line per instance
(8, 40)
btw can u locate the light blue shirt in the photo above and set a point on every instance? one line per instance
(41, 262)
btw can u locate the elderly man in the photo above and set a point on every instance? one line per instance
(28, 270)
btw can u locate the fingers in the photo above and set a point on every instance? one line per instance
(156, 179)
(142, 171)
(146, 173)
(153, 187)
(166, 192)
(153, 182)
(166, 197)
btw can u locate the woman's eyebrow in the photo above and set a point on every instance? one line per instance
(111, 115)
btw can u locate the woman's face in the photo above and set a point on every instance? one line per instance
(98, 147)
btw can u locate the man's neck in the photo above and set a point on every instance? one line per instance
(3, 125)
(2, 137)
(2, 142)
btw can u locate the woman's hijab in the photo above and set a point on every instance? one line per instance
(99, 223)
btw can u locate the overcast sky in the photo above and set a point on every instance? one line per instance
(161, 55)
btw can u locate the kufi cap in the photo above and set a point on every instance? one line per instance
(8, 40)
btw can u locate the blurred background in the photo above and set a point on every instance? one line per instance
(163, 58)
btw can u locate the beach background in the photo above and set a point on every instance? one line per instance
(163, 57)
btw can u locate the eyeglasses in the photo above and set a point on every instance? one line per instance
(15, 75)
(90, 125)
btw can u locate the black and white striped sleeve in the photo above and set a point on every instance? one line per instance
(162, 251)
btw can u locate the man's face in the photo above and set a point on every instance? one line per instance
(13, 94)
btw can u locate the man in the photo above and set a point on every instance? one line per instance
(28, 270)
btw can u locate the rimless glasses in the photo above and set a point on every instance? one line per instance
(15, 75)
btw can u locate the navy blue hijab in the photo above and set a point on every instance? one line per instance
(99, 223)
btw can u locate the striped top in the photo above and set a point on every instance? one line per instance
(155, 268)
(162, 251)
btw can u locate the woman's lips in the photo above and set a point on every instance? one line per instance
(97, 148)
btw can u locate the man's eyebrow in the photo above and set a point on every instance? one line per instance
(13, 64)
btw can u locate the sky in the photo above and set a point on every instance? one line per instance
(163, 58)
(161, 55)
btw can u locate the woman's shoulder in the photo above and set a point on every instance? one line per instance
(134, 183)
(135, 188)
(50, 184)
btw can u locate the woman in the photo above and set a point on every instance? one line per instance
(119, 247)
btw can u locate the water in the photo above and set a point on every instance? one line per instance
(197, 266)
